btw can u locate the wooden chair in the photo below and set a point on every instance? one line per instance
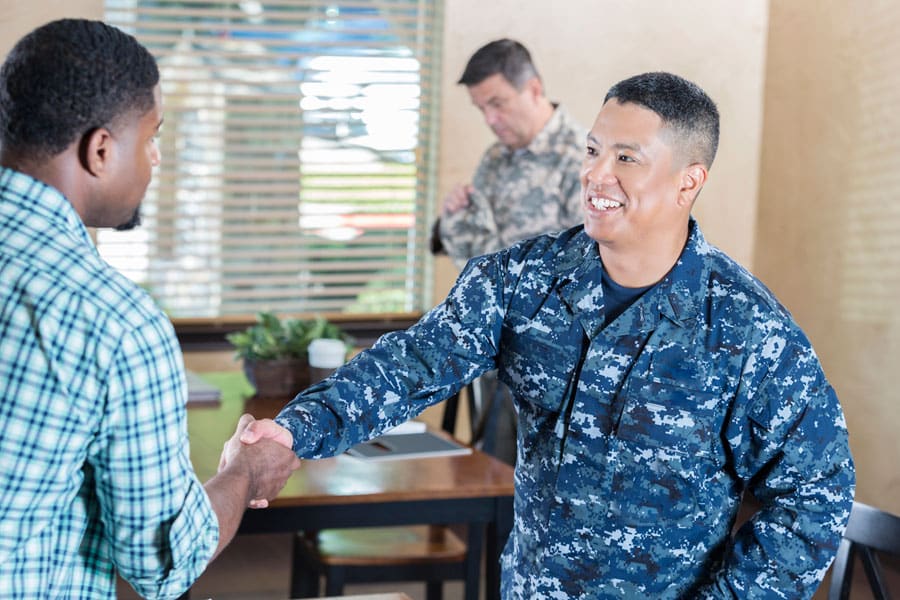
(869, 530)
(429, 553)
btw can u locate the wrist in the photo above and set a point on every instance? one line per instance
(238, 476)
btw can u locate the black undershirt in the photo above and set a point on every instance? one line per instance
(617, 298)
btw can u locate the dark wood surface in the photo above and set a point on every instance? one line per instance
(342, 479)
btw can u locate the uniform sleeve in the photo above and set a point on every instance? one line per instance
(405, 371)
(158, 521)
(793, 454)
(473, 231)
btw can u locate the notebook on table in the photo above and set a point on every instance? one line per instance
(201, 393)
(407, 445)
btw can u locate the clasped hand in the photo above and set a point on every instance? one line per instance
(270, 462)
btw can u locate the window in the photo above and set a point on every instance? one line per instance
(297, 156)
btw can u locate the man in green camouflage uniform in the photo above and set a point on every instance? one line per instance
(526, 185)
(657, 382)
(527, 182)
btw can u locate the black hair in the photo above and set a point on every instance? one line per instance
(683, 107)
(67, 78)
(506, 57)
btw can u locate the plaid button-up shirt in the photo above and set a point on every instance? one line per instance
(95, 473)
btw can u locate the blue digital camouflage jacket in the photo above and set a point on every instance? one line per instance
(636, 439)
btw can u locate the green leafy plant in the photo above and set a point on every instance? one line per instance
(272, 338)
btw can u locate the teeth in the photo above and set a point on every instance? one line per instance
(604, 203)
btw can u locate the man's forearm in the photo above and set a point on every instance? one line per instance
(229, 494)
(247, 472)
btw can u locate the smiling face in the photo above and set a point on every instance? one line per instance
(513, 115)
(637, 198)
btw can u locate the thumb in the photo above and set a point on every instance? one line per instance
(252, 433)
(268, 429)
(245, 420)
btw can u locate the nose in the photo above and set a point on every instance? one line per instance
(598, 170)
(156, 156)
(491, 116)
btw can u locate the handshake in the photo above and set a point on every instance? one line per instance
(262, 451)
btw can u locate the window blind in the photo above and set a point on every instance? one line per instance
(298, 156)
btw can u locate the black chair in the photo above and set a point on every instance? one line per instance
(869, 531)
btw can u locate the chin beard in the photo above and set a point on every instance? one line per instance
(131, 223)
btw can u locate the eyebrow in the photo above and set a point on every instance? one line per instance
(618, 146)
(490, 100)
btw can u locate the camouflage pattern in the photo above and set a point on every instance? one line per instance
(636, 439)
(519, 194)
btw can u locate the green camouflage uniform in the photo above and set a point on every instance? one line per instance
(519, 194)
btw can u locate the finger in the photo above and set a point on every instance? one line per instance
(461, 197)
(244, 421)
(252, 433)
(269, 429)
(259, 503)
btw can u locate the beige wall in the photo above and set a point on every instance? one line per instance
(829, 216)
(18, 18)
(582, 47)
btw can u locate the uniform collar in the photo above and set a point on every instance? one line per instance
(681, 292)
(677, 297)
(543, 142)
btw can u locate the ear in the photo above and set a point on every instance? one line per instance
(692, 179)
(535, 88)
(95, 151)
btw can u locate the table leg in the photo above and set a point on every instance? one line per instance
(497, 534)
(474, 544)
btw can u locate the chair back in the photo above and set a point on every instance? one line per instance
(869, 530)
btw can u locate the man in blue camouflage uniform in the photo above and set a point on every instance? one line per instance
(526, 184)
(657, 381)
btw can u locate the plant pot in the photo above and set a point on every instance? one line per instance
(278, 378)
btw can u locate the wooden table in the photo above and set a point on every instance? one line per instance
(343, 491)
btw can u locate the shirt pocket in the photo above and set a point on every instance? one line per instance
(668, 465)
(536, 362)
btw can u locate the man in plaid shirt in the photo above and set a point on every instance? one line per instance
(95, 474)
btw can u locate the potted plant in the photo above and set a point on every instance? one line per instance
(274, 352)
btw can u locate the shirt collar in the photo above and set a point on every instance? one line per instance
(35, 196)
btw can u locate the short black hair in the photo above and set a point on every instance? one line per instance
(683, 107)
(67, 78)
(506, 57)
